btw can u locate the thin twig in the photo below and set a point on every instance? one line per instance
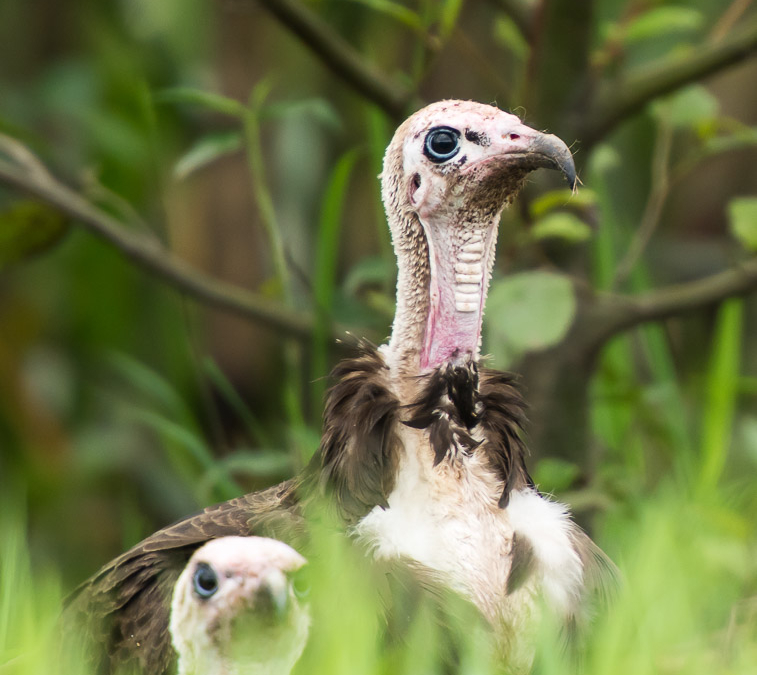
(620, 99)
(150, 255)
(340, 57)
(729, 19)
(24, 158)
(660, 188)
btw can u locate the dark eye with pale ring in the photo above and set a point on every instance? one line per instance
(205, 581)
(442, 143)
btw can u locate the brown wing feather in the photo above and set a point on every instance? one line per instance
(357, 459)
(124, 609)
(601, 576)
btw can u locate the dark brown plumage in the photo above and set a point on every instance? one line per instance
(357, 458)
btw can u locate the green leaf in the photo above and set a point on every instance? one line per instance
(326, 255)
(450, 10)
(162, 394)
(28, 228)
(234, 400)
(259, 463)
(663, 21)
(528, 312)
(722, 392)
(742, 216)
(736, 140)
(689, 108)
(561, 225)
(369, 271)
(555, 199)
(317, 108)
(603, 160)
(555, 475)
(329, 229)
(507, 34)
(395, 10)
(204, 99)
(185, 438)
(206, 150)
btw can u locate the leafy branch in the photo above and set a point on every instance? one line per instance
(608, 315)
(617, 100)
(26, 172)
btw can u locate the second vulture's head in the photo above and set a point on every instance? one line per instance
(449, 171)
(235, 609)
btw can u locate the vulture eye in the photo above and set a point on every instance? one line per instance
(442, 143)
(205, 581)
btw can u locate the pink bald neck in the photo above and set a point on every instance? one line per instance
(461, 256)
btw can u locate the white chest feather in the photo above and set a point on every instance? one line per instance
(447, 519)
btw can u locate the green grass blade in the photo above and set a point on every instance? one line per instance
(721, 392)
(235, 401)
(327, 255)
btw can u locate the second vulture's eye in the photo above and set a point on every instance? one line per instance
(442, 143)
(205, 581)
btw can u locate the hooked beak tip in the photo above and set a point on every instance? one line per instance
(549, 152)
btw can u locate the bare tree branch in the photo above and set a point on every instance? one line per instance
(340, 57)
(620, 99)
(613, 314)
(30, 175)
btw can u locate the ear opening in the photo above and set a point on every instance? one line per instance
(415, 183)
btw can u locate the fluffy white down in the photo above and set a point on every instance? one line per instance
(547, 525)
(452, 524)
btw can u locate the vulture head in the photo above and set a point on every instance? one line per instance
(235, 610)
(449, 171)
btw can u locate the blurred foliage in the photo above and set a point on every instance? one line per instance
(27, 228)
(209, 127)
(529, 311)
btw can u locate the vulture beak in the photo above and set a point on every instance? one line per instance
(274, 593)
(535, 150)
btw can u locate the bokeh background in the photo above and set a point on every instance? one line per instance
(245, 138)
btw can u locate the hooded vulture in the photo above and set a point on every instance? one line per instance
(421, 455)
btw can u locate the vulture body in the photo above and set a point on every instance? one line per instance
(421, 452)
(235, 610)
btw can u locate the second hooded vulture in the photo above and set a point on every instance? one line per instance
(235, 609)
(421, 454)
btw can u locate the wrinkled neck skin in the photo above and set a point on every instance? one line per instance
(445, 262)
(460, 260)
